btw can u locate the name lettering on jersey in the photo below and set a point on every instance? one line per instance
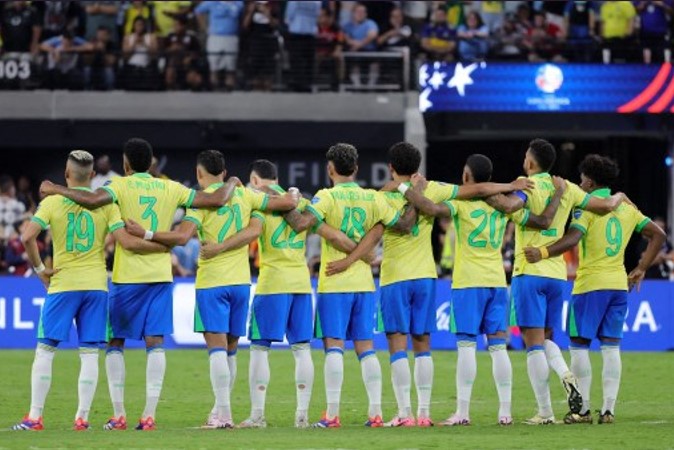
(146, 185)
(352, 196)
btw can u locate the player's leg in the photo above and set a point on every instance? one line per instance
(422, 325)
(610, 335)
(361, 331)
(396, 314)
(239, 298)
(299, 331)
(530, 312)
(494, 325)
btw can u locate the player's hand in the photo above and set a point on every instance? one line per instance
(560, 183)
(419, 181)
(209, 250)
(336, 267)
(135, 229)
(625, 199)
(532, 254)
(635, 278)
(45, 276)
(292, 198)
(47, 188)
(235, 181)
(522, 184)
(391, 186)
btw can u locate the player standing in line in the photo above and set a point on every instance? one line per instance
(345, 306)
(537, 289)
(141, 298)
(77, 286)
(223, 281)
(599, 303)
(407, 282)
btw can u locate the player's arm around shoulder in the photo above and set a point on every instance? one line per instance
(241, 239)
(180, 236)
(216, 199)
(87, 199)
(312, 214)
(545, 219)
(415, 196)
(597, 205)
(364, 251)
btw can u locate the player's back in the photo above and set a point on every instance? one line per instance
(78, 237)
(283, 266)
(232, 267)
(479, 238)
(152, 202)
(602, 248)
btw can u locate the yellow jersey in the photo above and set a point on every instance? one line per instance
(165, 23)
(232, 267)
(410, 256)
(538, 199)
(152, 202)
(283, 266)
(354, 211)
(479, 238)
(79, 241)
(602, 248)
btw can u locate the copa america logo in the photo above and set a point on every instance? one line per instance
(549, 78)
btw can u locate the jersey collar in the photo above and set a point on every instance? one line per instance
(277, 188)
(216, 186)
(540, 175)
(347, 184)
(601, 193)
(82, 188)
(141, 175)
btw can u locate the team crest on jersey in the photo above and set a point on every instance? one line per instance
(315, 200)
(577, 213)
(107, 182)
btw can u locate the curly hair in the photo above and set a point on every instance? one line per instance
(212, 160)
(138, 153)
(602, 170)
(405, 158)
(344, 157)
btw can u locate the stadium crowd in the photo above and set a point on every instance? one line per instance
(300, 45)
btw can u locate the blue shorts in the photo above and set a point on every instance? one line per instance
(479, 311)
(408, 307)
(222, 309)
(276, 315)
(139, 310)
(89, 309)
(537, 301)
(345, 316)
(597, 314)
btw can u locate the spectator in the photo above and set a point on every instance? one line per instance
(397, 34)
(16, 258)
(165, 14)
(261, 26)
(492, 13)
(655, 17)
(156, 168)
(24, 194)
(617, 29)
(56, 17)
(455, 13)
(223, 38)
(101, 14)
(137, 9)
(19, 28)
(99, 66)
(416, 14)
(329, 45)
(473, 44)
(523, 17)
(544, 40)
(580, 18)
(438, 40)
(185, 258)
(184, 67)
(140, 49)
(380, 12)
(11, 209)
(663, 264)
(301, 17)
(345, 10)
(361, 36)
(508, 42)
(104, 172)
(63, 59)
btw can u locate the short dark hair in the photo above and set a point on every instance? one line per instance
(481, 167)
(212, 160)
(6, 183)
(544, 153)
(600, 169)
(138, 153)
(264, 169)
(344, 157)
(405, 158)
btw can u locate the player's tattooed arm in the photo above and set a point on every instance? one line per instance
(87, 199)
(217, 198)
(336, 238)
(567, 242)
(406, 221)
(603, 206)
(544, 220)
(240, 239)
(29, 239)
(179, 236)
(656, 238)
(363, 251)
(300, 221)
(507, 204)
(285, 202)
(426, 205)
(137, 244)
(480, 190)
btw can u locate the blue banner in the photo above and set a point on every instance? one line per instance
(649, 325)
(518, 87)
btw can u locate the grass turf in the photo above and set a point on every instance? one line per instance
(645, 411)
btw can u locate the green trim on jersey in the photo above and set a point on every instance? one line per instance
(573, 328)
(315, 213)
(348, 184)
(642, 225)
(110, 192)
(254, 328)
(198, 323)
(265, 202)
(579, 227)
(318, 330)
(194, 220)
(115, 226)
(190, 199)
(40, 222)
(257, 215)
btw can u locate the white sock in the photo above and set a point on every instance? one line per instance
(86, 387)
(582, 369)
(304, 377)
(423, 379)
(539, 374)
(466, 369)
(219, 369)
(610, 376)
(503, 376)
(258, 379)
(154, 380)
(116, 373)
(334, 377)
(231, 362)
(40, 379)
(555, 358)
(401, 378)
(371, 371)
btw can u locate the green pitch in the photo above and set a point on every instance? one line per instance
(645, 411)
